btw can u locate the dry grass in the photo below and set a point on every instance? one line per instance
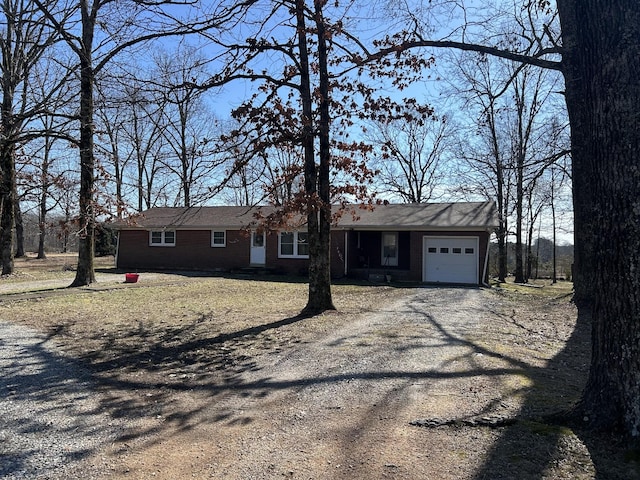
(168, 331)
(163, 298)
(541, 288)
(110, 320)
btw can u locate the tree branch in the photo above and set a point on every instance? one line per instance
(535, 60)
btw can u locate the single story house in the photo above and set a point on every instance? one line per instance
(430, 243)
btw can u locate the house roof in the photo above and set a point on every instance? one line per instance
(434, 216)
(195, 217)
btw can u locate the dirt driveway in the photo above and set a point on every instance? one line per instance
(340, 405)
(422, 385)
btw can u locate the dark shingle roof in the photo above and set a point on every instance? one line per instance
(459, 215)
(466, 215)
(196, 217)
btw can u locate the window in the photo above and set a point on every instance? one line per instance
(303, 243)
(389, 249)
(433, 250)
(257, 240)
(293, 244)
(286, 244)
(162, 238)
(444, 249)
(457, 250)
(468, 250)
(218, 238)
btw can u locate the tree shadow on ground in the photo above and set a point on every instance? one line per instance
(544, 436)
(141, 373)
(50, 420)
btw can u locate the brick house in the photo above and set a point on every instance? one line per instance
(430, 243)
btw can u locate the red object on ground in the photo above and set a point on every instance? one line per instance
(131, 277)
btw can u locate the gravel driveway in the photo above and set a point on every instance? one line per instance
(337, 406)
(49, 418)
(341, 407)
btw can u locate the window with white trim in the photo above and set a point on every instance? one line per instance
(218, 238)
(293, 245)
(162, 238)
(389, 249)
(302, 242)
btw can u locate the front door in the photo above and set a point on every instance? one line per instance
(258, 252)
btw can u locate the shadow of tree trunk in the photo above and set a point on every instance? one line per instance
(543, 443)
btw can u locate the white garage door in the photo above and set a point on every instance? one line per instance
(450, 259)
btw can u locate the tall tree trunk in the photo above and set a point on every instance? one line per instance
(554, 278)
(7, 140)
(553, 219)
(140, 161)
(519, 273)
(7, 202)
(601, 47)
(85, 273)
(42, 222)
(42, 236)
(65, 228)
(117, 173)
(538, 254)
(531, 227)
(42, 201)
(320, 281)
(529, 269)
(7, 175)
(19, 226)
(502, 253)
(502, 228)
(316, 187)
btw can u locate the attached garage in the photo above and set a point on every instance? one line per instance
(450, 260)
(422, 242)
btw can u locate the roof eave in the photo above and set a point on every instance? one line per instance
(429, 228)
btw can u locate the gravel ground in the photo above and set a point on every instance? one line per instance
(339, 405)
(341, 408)
(335, 400)
(349, 389)
(49, 420)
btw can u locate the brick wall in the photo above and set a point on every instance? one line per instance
(192, 251)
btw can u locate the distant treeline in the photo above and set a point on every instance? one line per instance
(61, 236)
(541, 259)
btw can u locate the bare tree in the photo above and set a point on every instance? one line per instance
(485, 160)
(189, 127)
(146, 141)
(528, 98)
(132, 115)
(273, 176)
(413, 154)
(595, 50)
(512, 111)
(25, 36)
(306, 66)
(102, 30)
(111, 117)
(43, 181)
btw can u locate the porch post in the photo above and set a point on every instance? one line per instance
(346, 252)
